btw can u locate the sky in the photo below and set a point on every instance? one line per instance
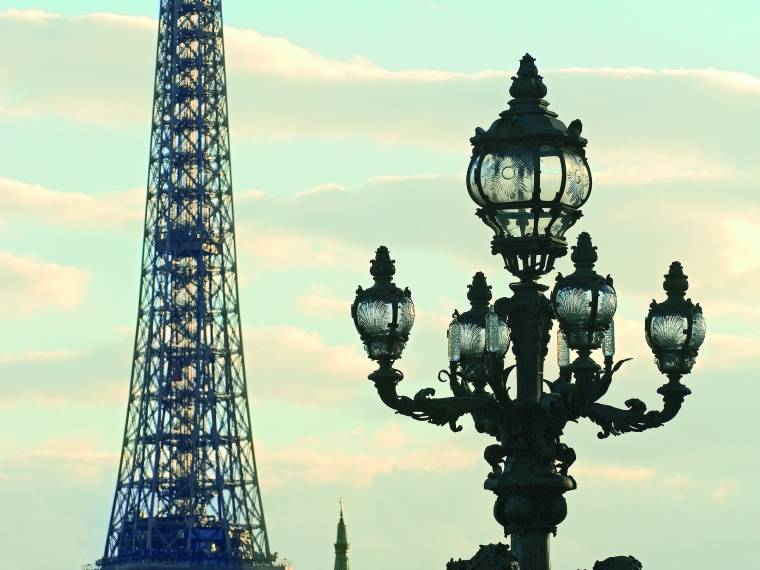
(350, 128)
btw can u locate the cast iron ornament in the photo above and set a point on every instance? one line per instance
(515, 404)
(489, 557)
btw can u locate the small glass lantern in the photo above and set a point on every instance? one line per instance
(479, 330)
(675, 328)
(383, 314)
(584, 301)
(529, 176)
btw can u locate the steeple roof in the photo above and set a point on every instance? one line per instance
(341, 544)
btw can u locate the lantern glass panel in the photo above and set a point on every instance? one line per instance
(515, 223)
(573, 305)
(497, 334)
(698, 330)
(473, 340)
(607, 305)
(551, 173)
(562, 224)
(608, 342)
(507, 177)
(455, 341)
(667, 332)
(406, 315)
(374, 317)
(472, 183)
(578, 181)
(563, 351)
(545, 220)
(382, 348)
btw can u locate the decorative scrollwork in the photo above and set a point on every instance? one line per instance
(615, 421)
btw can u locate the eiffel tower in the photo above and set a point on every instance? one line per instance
(187, 494)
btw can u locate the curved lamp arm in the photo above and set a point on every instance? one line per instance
(616, 421)
(423, 407)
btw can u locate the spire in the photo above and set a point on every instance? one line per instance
(341, 544)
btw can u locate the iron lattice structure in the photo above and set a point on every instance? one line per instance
(187, 492)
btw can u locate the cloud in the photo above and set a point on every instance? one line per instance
(64, 377)
(641, 166)
(728, 351)
(321, 302)
(321, 189)
(614, 473)
(249, 194)
(38, 356)
(267, 55)
(725, 490)
(31, 16)
(280, 249)
(30, 285)
(22, 200)
(73, 459)
(297, 93)
(340, 458)
(295, 365)
(734, 80)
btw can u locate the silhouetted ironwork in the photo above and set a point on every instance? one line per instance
(187, 493)
(529, 176)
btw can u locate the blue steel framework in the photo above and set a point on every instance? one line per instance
(187, 491)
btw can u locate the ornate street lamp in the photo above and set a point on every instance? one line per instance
(529, 176)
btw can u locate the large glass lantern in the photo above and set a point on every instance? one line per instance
(479, 330)
(383, 314)
(675, 328)
(529, 176)
(585, 302)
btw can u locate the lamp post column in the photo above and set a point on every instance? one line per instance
(529, 502)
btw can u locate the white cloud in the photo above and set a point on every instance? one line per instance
(29, 285)
(725, 490)
(30, 16)
(734, 80)
(320, 301)
(321, 189)
(71, 209)
(616, 473)
(249, 194)
(639, 166)
(292, 364)
(332, 95)
(73, 458)
(335, 458)
(38, 356)
(722, 351)
(284, 249)
(256, 53)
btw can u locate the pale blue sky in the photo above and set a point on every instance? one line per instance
(344, 107)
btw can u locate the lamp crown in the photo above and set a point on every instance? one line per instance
(676, 282)
(382, 267)
(528, 84)
(479, 292)
(584, 253)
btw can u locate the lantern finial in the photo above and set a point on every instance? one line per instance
(584, 254)
(528, 84)
(479, 292)
(676, 283)
(382, 268)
